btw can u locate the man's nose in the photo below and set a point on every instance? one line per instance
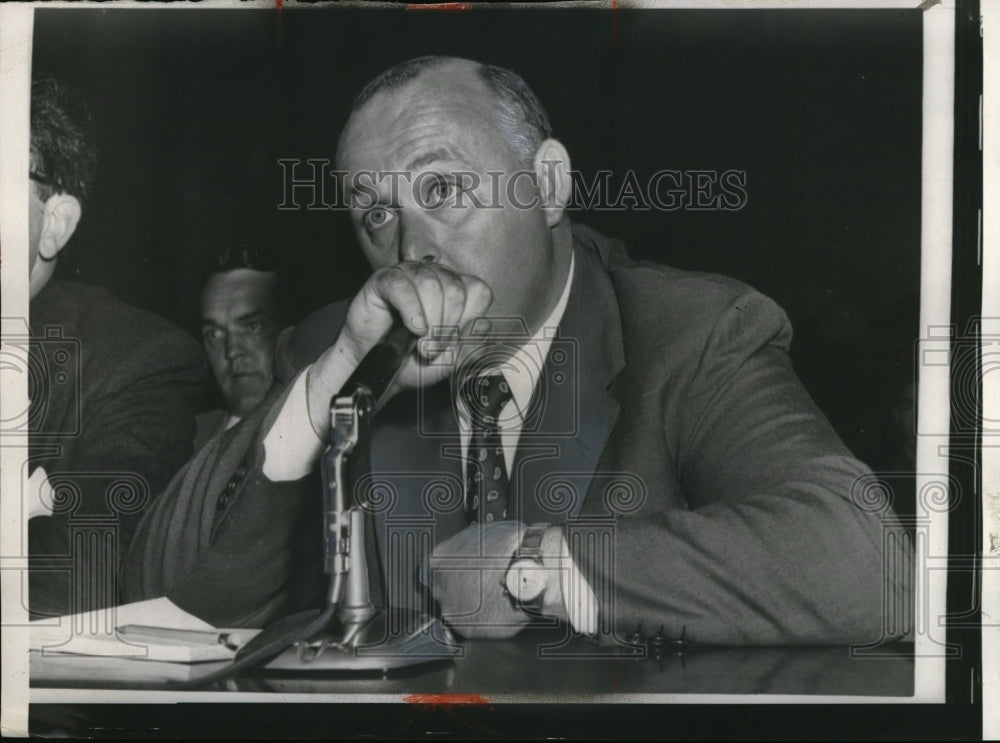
(234, 346)
(416, 241)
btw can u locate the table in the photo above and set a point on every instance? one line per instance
(535, 665)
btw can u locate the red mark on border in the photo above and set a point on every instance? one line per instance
(614, 23)
(438, 6)
(445, 701)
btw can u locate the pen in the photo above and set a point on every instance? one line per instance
(189, 636)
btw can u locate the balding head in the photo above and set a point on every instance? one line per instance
(518, 114)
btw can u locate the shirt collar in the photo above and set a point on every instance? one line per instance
(531, 356)
(523, 368)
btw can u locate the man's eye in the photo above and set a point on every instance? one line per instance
(255, 325)
(211, 334)
(439, 191)
(378, 217)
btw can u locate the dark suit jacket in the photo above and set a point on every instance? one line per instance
(113, 391)
(700, 486)
(209, 423)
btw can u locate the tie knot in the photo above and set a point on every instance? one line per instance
(485, 397)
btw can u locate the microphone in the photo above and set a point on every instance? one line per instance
(382, 363)
(351, 413)
(351, 410)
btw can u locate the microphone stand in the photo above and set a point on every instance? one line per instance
(353, 634)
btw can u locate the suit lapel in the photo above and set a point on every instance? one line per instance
(417, 459)
(574, 408)
(416, 468)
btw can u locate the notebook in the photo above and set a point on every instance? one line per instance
(154, 630)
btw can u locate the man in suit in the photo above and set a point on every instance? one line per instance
(243, 306)
(635, 433)
(116, 388)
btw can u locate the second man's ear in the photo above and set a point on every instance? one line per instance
(62, 214)
(552, 168)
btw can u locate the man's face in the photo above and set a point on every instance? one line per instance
(411, 145)
(240, 323)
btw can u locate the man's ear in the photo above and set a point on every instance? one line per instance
(62, 214)
(554, 185)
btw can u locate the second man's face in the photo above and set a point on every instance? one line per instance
(240, 323)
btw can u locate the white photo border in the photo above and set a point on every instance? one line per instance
(934, 389)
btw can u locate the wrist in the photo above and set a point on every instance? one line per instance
(325, 378)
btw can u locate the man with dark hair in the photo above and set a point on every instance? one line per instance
(63, 164)
(616, 444)
(116, 388)
(243, 307)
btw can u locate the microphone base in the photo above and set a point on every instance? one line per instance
(387, 641)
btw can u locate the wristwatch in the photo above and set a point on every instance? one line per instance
(526, 578)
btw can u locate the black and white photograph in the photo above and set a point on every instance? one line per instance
(494, 371)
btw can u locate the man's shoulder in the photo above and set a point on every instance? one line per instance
(674, 288)
(105, 324)
(316, 333)
(659, 292)
(667, 310)
(85, 304)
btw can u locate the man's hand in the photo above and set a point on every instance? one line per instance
(466, 576)
(426, 296)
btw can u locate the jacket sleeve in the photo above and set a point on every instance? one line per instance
(780, 542)
(136, 432)
(225, 543)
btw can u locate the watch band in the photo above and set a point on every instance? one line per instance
(531, 542)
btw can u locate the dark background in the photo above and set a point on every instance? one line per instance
(822, 109)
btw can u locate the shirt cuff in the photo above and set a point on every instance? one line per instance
(292, 447)
(40, 495)
(578, 598)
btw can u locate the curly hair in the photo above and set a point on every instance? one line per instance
(63, 153)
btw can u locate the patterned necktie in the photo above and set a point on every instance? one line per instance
(486, 484)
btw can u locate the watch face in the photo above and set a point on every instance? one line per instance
(526, 580)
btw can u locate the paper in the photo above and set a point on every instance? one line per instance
(97, 633)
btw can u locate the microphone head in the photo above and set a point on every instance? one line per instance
(382, 363)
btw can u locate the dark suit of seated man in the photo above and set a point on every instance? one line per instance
(647, 421)
(112, 409)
